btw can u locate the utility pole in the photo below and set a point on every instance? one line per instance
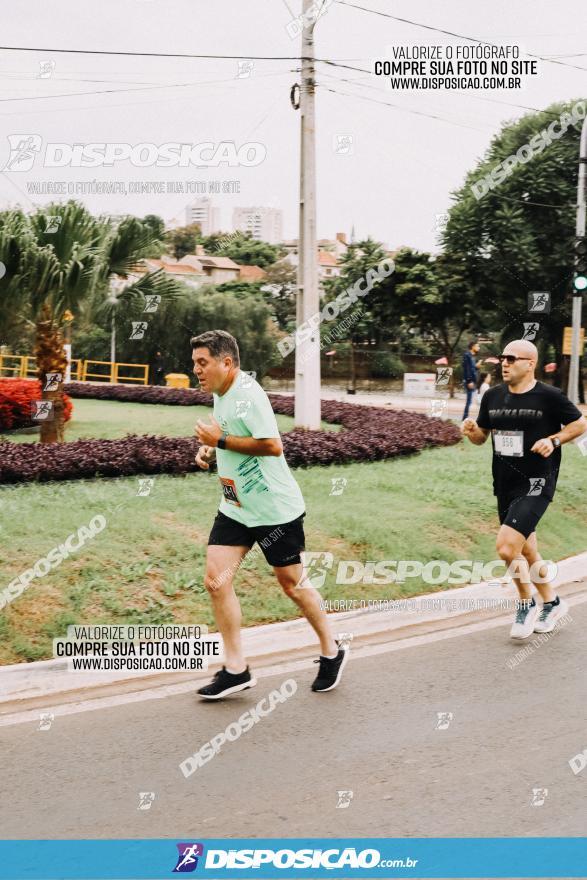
(307, 353)
(573, 389)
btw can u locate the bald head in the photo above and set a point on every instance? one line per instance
(519, 374)
(522, 348)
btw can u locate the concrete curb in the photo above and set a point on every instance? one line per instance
(47, 683)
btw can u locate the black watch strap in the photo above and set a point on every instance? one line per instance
(222, 440)
(556, 442)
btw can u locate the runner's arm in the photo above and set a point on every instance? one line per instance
(476, 435)
(571, 431)
(210, 435)
(253, 446)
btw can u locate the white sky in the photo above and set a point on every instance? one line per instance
(403, 166)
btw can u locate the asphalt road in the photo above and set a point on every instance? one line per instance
(512, 731)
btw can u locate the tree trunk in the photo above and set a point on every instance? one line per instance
(353, 385)
(51, 359)
(451, 381)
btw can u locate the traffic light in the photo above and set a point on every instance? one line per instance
(580, 281)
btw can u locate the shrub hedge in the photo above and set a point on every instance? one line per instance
(369, 434)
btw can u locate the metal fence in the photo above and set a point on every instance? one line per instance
(22, 366)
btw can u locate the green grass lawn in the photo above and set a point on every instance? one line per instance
(147, 564)
(111, 419)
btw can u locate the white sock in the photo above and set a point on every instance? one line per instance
(331, 656)
(234, 672)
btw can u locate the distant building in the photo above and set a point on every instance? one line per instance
(218, 270)
(202, 212)
(252, 273)
(264, 224)
(327, 265)
(338, 246)
(191, 274)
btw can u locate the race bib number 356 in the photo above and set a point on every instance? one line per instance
(509, 443)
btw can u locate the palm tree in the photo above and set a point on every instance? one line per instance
(53, 256)
(126, 245)
(55, 260)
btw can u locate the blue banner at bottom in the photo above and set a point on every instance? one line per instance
(465, 857)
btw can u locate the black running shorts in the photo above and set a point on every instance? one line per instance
(281, 545)
(522, 513)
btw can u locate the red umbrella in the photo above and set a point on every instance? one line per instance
(550, 368)
(442, 361)
(491, 360)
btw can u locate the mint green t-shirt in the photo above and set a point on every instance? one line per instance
(258, 490)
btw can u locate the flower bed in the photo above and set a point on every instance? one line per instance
(369, 434)
(16, 398)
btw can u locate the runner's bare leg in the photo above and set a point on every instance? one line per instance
(307, 598)
(221, 564)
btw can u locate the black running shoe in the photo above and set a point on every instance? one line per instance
(225, 683)
(330, 671)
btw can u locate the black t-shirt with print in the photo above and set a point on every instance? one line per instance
(516, 422)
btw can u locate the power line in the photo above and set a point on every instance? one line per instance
(149, 54)
(537, 204)
(450, 33)
(398, 107)
(297, 58)
(139, 89)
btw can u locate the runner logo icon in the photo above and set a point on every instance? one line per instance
(187, 860)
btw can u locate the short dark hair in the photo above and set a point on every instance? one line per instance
(473, 342)
(219, 343)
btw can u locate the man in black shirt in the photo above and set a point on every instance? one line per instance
(524, 417)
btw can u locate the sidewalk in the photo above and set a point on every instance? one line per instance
(46, 683)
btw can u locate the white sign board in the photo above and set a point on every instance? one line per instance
(419, 384)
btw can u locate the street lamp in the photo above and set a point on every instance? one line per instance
(113, 300)
(67, 319)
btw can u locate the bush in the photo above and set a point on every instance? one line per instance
(386, 365)
(370, 434)
(16, 398)
(92, 344)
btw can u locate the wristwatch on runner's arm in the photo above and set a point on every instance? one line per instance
(556, 441)
(222, 441)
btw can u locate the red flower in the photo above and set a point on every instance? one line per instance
(16, 397)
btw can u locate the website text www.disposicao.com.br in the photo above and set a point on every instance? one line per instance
(329, 859)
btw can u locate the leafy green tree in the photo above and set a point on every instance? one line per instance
(156, 224)
(123, 247)
(244, 249)
(374, 311)
(183, 240)
(518, 237)
(241, 289)
(435, 299)
(191, 312)
(279, 290)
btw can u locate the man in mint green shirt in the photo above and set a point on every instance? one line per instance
(261, 503)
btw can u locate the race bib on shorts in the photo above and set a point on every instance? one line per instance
(229, 491)
(509, 443)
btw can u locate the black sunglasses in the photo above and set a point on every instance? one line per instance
(511, 358)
